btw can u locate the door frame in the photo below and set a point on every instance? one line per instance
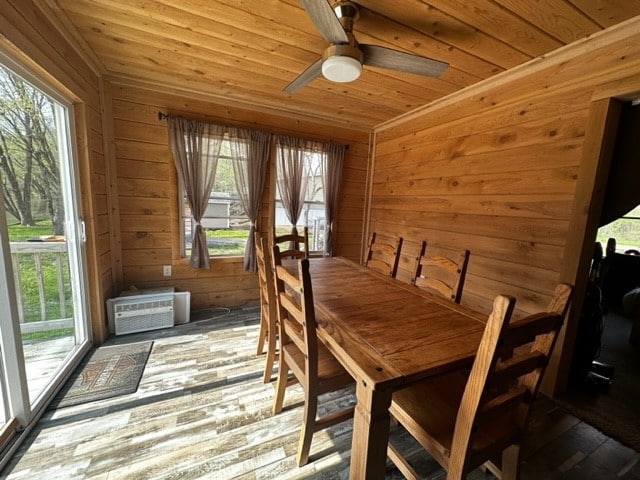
(26, 414)
(597, 155)
(596, 161)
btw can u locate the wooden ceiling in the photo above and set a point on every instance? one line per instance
(245, 52)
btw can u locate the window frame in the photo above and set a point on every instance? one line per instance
(23, 408)
(183, 208)
(277, 201)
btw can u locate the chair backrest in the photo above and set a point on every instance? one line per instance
(295, 245)
(296, 313)
(440, 273)
(383, 257)
(266, 281)
(504, 379)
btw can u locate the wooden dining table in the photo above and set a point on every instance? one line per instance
(387, 334)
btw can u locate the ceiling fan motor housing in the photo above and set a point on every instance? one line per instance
(342, 62)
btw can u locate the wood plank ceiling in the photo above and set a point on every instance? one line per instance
(245, 52)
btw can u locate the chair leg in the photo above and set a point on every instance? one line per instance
(456, 469)
(271, 356)
(308, 428)
(281, 385)
(263, 334)
(510, 459)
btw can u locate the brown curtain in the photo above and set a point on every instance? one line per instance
(195, 147)
(250, 154)
(333, 161)
(292, 175)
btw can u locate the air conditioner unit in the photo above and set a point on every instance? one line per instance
(139, 313)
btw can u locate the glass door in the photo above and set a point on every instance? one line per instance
(43, 282)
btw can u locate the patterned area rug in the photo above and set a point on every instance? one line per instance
(105, 372)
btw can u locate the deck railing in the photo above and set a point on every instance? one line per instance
(36, 250)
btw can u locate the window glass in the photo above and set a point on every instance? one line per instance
(44, 328)
(626, 231)
(224, 221)
(313, 214)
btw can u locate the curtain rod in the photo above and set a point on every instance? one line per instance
(162, 116)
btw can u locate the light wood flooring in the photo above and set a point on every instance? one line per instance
(202, 412)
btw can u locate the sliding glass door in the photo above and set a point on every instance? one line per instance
(43, 325)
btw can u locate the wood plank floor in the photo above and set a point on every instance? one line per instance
(202, 412)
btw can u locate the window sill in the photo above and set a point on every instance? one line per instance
(212, 260)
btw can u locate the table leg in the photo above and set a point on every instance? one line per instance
(370, 433)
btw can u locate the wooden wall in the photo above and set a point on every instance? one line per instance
(28, 36)
(503, 169)
(494, 168)
(148, 203)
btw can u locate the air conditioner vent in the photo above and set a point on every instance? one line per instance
(141, 313)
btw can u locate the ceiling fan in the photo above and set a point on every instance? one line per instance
(343, 59)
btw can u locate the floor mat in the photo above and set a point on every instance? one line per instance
(106, 372)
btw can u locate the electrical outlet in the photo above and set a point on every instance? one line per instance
(166, 270)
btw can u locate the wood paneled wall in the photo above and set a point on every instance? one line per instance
(494, 168)
(148, 203)
(506, 169)
(29, 37)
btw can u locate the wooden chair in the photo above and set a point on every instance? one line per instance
(464, 423)
(383, 257)
(300, 352)
(441, 274)
(293, 242)
(268, 309)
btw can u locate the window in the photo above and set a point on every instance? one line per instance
(626, 231)
(225, 223)
(313, 210)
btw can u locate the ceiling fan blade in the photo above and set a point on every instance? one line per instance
(325, 20)
(311, 72)
(384, 57)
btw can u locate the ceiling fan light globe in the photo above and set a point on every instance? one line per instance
(341, 69)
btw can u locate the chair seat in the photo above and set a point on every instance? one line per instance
(466, 421)
(331, 375)
(442, 395)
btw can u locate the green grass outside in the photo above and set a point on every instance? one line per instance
(225, 242)
(20, 233)
(232, 242)
(47, 334)
(29, 285)
(625, 231)
(227, 234)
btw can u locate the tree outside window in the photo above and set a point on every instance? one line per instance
(29, 168)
